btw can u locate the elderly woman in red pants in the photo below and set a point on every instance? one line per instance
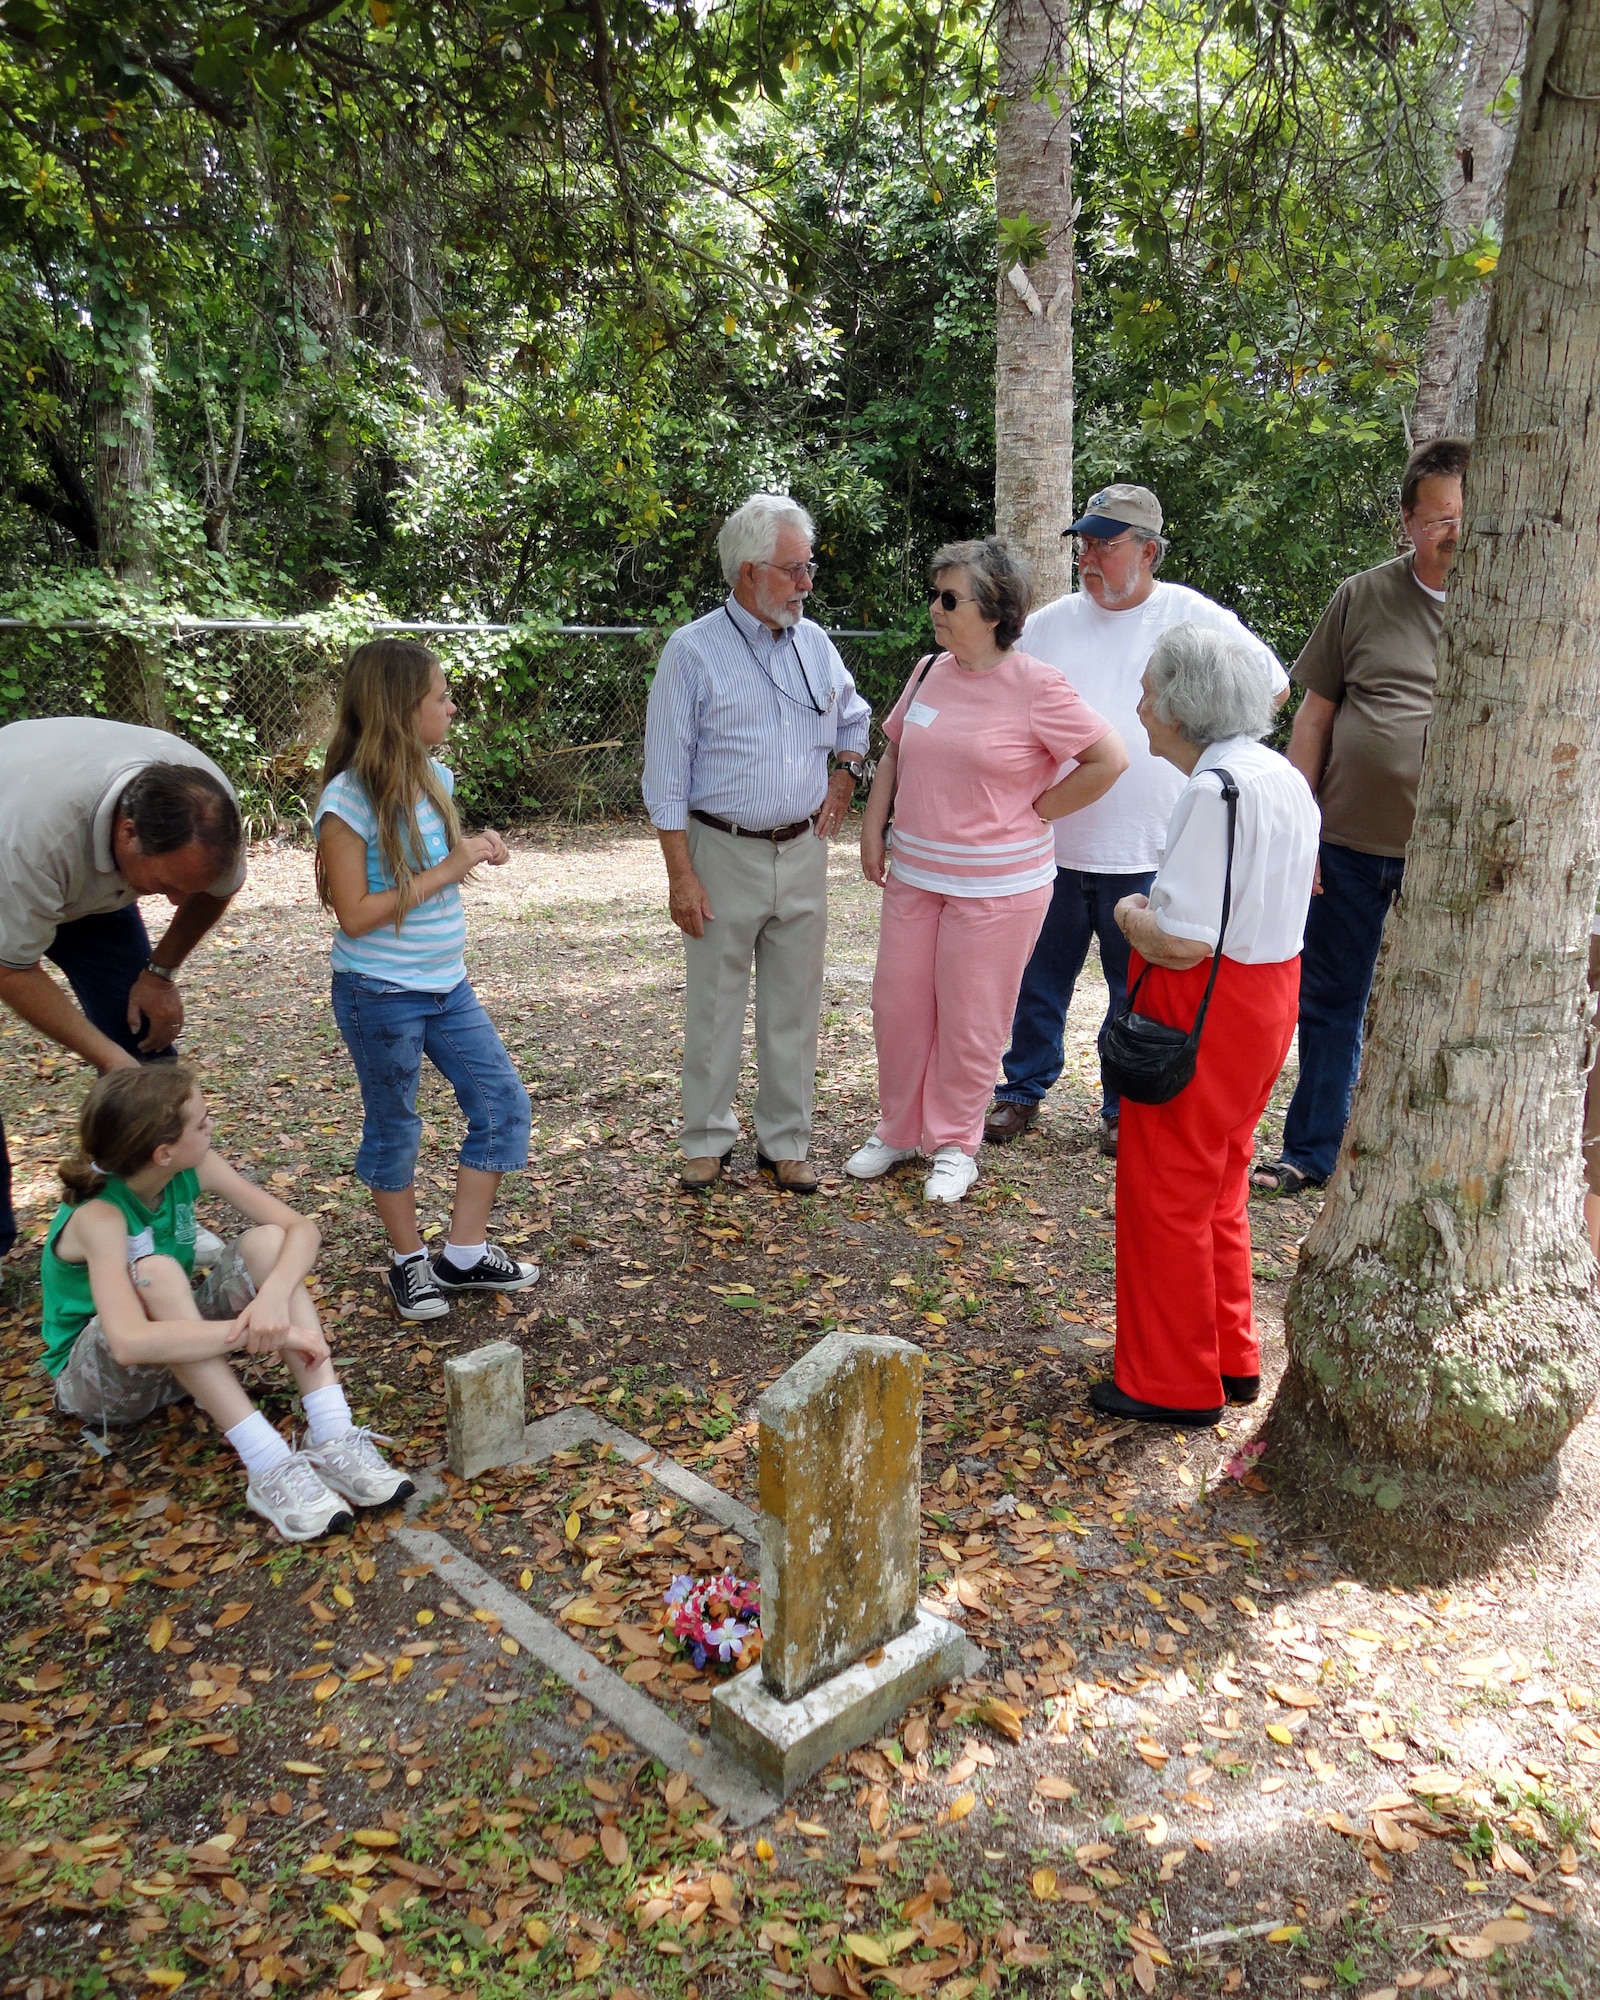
(1186, 1334)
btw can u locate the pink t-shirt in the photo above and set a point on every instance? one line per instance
(975, 751)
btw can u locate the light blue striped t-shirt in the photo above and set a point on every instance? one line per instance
(427, 953)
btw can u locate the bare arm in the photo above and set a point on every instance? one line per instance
(1311, 736)
(158, 1000)
(1098, 768)
(97, 1235)
(875, 818)
(687, 903)
(1152, 943)
(32, 993)
(267, 1323)
(361, 910)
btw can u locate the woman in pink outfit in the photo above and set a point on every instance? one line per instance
(972, 770)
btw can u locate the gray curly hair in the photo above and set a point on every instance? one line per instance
(1206, 687)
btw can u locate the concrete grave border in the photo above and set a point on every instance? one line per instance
(712, 1773)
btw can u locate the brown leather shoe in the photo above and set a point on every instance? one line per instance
(700, 1176)
(1006, 1122)
(792, 1176)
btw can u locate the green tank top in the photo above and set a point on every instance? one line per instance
(68, 1301)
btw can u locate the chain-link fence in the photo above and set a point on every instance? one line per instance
(551, 718)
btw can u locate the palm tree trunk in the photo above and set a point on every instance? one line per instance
(1447, 386)
(1443, 1321)
(1033, 317)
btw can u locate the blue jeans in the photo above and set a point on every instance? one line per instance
(101, 956)
(1080, 909)
(1344, 928)
(388, 1030)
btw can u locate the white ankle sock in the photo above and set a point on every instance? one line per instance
(258, 1444)
(465, 1255)
(405, 1256)
(327, 1413)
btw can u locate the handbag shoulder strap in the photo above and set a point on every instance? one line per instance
(919, 674)
(1230, 794)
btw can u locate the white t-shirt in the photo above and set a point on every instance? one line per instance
(1104, 655)
(1274, 856)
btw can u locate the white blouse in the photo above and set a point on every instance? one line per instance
(1274, 856)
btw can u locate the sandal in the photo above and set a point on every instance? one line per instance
(1278, 1177)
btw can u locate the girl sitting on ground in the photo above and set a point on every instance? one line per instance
(124, 1334)
(390, 860)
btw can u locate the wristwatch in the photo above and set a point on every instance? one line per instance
(853, 765)
(161, 971)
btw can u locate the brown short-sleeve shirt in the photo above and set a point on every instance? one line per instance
(1374, 654)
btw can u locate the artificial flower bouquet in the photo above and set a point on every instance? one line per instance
(715, 1621)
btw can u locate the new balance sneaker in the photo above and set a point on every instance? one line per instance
(208, 1249)
(493, 1272)
(354, 1466)
(953, 1173)
(414, 1292)
(876, 1158)
(294, 1499)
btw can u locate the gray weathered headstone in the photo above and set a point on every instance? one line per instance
(841, 1491)
(484, 1409)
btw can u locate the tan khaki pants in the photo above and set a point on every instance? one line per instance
(771, 905)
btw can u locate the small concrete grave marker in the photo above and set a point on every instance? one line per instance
(485, 1412)
(841, 1495)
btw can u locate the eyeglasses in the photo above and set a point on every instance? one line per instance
(796, 572)
(1446, 523)
(948, 599)
(1098, 544)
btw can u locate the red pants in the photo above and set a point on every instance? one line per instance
(1184, 1317)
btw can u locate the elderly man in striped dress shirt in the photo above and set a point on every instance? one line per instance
(749, 707)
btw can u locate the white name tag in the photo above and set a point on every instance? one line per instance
(920, 713)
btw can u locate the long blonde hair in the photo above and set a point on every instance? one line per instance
(375, 738)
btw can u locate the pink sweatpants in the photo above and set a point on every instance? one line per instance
(943, 995)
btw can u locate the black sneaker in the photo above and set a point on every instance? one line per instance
(493, 1272)
(414, 1292)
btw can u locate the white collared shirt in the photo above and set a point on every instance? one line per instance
(1274, 856)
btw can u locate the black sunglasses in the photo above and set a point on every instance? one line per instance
(948, 599)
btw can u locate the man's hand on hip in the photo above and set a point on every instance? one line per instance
(688, 905)
(831, 813)
(159, 1002)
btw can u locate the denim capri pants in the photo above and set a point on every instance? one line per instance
(388, 1030)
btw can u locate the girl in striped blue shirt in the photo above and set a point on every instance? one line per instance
(390, 860)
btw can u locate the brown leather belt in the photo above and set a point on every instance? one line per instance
(777, 834)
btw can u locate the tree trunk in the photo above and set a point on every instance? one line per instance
(124, 466)
(1474, 194)
(1443, 1318)
(1033, 317)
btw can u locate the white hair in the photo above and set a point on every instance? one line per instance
(1207, 687)
(750, 533)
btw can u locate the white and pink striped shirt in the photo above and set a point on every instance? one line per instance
(975, 751)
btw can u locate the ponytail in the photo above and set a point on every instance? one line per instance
(126, 1116)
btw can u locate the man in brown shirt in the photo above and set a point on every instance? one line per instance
(1368, 672)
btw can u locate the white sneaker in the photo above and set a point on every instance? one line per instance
(354, 1466)
(293, 1498)
(875, 1158)
(953, 1173)
(208, 1249)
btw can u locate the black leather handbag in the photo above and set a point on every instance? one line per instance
(1148, 1061)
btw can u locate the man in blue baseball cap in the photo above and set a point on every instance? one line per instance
(1100, 637)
